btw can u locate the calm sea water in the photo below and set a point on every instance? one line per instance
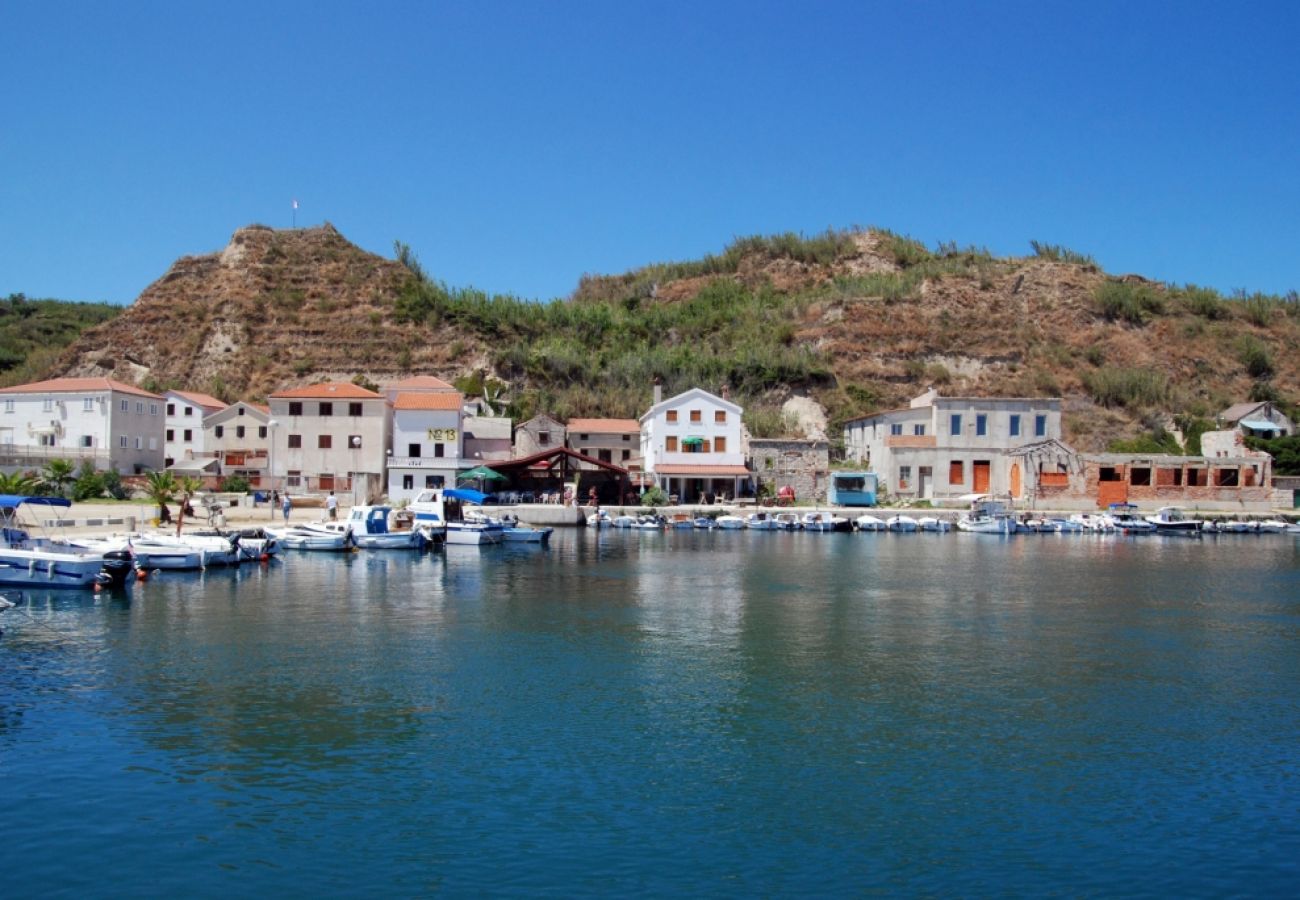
(725, 713)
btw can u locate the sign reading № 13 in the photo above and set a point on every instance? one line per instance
(442, 434)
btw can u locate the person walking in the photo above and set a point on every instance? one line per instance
(332, 504)
(286, 506)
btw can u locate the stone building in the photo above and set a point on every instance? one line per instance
(801, 464)
(538, 435)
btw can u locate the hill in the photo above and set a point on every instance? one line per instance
(33, 332)
(854, 320)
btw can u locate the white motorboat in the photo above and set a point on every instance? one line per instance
(623, 521)
(1124, 518)
(600, 519)
(311, 536)
(869, 522)
(934, 524)
(761, 521)
(788, 521)
(901, 523)
(1271, 526)
(1093, 521)
(376, 528)
(1171, 520)
(39, 562)
(1231, 526)
(988, 517)
(445, 508)
(648, 523)
(819, 521)
(730, 523)
(703, 523)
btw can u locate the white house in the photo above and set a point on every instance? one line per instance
(947, 447)
(427, 435)
(111, 424)
(185, 413)
(323, 435)
(239, 437)
(1262, 420)
(691, 446)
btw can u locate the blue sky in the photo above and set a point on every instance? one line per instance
(516, 146)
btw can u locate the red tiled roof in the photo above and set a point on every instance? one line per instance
(418, 382)
(605, 426)
(443, 400)
(205, 400)
(700, 470)
(330, 390)
(77, 386)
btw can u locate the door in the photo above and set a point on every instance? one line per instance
(980, 472)
(1015, 479)
(924, 480)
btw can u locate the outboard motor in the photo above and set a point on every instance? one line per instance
(117, 568)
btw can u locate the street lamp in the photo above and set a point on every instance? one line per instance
(271, 425)
(355, 442)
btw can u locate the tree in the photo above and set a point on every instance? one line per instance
(89, 484)
(18, 483)
(160, 488)
(57, 475)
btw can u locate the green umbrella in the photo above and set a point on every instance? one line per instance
(482, 473)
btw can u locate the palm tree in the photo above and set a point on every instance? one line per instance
(18, 483)
(188, 486)
(57, 475)
(161, 489)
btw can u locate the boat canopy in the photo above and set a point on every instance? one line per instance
(466, 494)
(13, 501)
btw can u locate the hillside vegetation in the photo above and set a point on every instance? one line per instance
(856, 320)
(34, 332)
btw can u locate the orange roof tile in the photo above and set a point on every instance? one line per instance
(444, 400)
(425, 382)
(605, 426)
(77, 386)
(700, 470)
(204, 400)
(330, 390)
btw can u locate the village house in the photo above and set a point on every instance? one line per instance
(329, 437)
(608, 440)
(538, 435)
(185, 412)
(691, 446)
(803, 465)
(112, 425)
(1261, 420)
(238, 438)
(487, 439)
(427, 435)
(944, 448)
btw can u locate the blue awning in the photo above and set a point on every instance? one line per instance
(13, 501)
(1260, 425)
(465, 494)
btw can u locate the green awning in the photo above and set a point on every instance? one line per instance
(692, 441)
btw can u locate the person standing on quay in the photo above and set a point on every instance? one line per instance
(286, 506)
(332, 504)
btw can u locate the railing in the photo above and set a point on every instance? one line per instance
(14, 455)
(911, 440)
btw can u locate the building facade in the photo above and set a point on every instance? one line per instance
(1262, 420)
(941, 448)
(615, 441)
(538, 435)
(325, 437)
(239, 438)
(185, 411)
(691, 446)
(110, 424)
(427, 436)
(803, 465)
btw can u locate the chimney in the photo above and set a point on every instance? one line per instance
(659, 391)
(726, 391)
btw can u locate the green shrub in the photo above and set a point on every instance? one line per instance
(1057, 253)
(113, 485)
(234, 484)
(1127, 302)
(1255, 357)
(1203, 302)
(1127, 387)
(1259, 309)
(654, 496)
(1157, 441)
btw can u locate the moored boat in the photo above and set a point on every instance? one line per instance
(761, 521)
(988, 517)
(901, 523)
(38, 562)
(870, 523)
(1172, 520)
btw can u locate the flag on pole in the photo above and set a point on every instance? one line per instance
(295, 204)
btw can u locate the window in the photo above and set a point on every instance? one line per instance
(139, 443)
(324, 441)
(1109, 473)
(438, 450)
(153, 409)
(188, 434)
(295, 442)
(627, 454)
(1015, 425)
(918, 429)
(720, 416)
(1140, 475)
(543, 438)
(627, 438)
(1196, 478)
(121, 441)
(671, 415)
(896, 428)
(239, 431)
(261, 431)
(955, 426)
(981, 425)
(240, 411)
(171, 409)
(904, 476)
(354, 409)
(413, 450)
(606, 456)
(434, 482)
(86, 441)
(720, 445)
(293, 478)
(670, 443)
(47, 440)
(153, 443)
(9, 406)
(171, 434)
(219, 431)
(955, 474)
(327, 409)
(408, 482)
(1040, 426)
(697, 416)
(88, 404)
(189, 410)
(139, 407)
(1225, 477)
(123, 405)
(295, 407)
